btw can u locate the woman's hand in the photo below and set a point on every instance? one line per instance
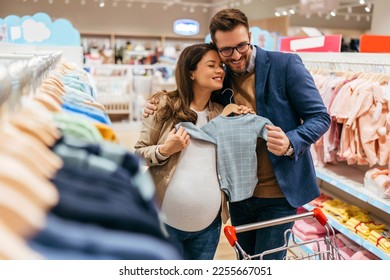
(175, 142)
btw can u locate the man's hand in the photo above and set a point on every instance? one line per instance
(245, 110)
(175, 142)
(277, 140)
(150, 108)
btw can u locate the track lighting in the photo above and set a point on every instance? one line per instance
(346, 10)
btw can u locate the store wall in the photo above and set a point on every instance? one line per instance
(279, 25)
(90, 18)
(381, 19)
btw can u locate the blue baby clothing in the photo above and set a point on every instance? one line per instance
(236, 139)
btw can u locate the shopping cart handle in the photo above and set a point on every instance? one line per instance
(320, 216)
(230, 233)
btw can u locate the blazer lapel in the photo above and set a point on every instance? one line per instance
(261, 68)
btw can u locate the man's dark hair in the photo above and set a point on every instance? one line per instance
(227, 20)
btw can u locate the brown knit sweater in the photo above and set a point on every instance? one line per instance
(244, 94)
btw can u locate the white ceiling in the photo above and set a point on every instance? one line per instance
(156, 11)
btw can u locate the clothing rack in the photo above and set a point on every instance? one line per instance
(357, 62)
(21, 73)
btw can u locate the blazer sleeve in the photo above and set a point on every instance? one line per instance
(307, 102)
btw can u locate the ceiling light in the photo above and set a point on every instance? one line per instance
(101, 3)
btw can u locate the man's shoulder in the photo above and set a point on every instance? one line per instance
(275, 55)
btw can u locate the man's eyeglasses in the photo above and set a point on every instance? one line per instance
(241, 48)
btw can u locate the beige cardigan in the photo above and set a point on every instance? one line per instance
(152, 135)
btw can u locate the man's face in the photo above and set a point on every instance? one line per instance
(237, 62)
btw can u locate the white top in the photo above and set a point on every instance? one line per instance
(193, 198)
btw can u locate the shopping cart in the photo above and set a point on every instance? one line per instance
(324, 248)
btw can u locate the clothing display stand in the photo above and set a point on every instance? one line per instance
(358, 62)
(123, 89)
(341, 180)
(21, 71)
(59, 155)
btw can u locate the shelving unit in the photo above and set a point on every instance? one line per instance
(354, 237)
(343, 181)
(149, 41)
(349, 181)
(123, 89)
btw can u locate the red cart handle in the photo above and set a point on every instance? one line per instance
(230, 233)
(320, 216)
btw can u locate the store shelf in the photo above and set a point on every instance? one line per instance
(353, 236)
(300, 251)
(350, 180)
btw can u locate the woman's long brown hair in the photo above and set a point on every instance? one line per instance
(178, 101)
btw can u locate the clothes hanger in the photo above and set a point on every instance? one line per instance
(31, 151)
(48, 101)
(13, 247)
(20, 214)
(231, 107)
(22, 179)
(42, 129)
(42, 119)
(49, 87)
(55, 79)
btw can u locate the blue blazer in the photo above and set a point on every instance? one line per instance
(287, 96)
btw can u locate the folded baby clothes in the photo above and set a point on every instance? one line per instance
(364, 255)
(378, 181)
